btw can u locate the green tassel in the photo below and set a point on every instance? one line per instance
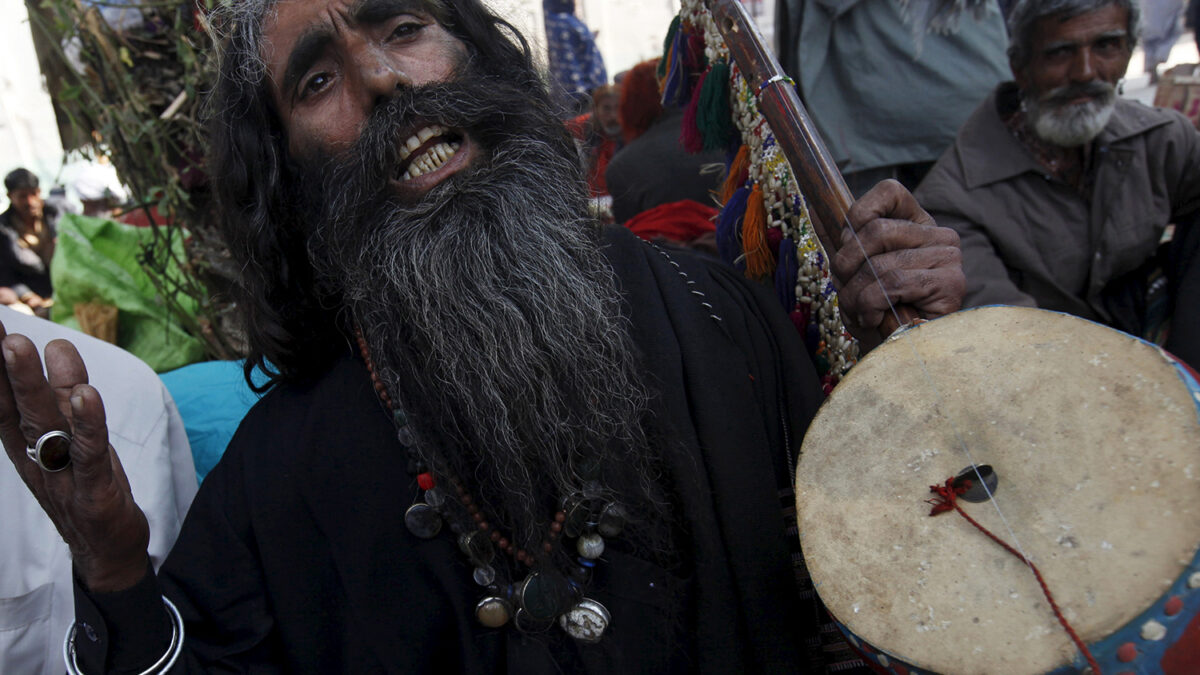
(670, 40)
(715, 116)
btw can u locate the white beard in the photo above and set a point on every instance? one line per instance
(1070, 125)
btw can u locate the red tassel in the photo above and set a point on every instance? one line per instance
(739, 172)
(690, 137)
(760, 263)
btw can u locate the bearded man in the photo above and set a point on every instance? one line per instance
(1061, 190)
(499, 438)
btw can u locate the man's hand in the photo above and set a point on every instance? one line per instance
(34, 300)
(90, 501)
(8, 296)
(912, 261)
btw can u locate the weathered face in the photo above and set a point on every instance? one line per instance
(331, 62)
(1087, 48)
(27, 202)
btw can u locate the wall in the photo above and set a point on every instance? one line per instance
(628, 31)
(28, 130)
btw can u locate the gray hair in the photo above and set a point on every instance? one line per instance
(1025, 14)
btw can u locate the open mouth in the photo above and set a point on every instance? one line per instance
(427, 151)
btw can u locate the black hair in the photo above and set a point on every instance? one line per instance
(20, 179)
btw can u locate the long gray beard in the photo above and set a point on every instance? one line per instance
(494, 319)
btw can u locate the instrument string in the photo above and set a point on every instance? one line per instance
(939, 399)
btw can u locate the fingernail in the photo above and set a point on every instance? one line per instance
(76, 403)
(8, 354)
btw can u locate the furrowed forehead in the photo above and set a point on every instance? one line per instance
(308, 36)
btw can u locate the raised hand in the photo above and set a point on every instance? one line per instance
(89, 499)
(913, 261)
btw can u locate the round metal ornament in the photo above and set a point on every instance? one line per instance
(590, 546)
(493, 612)
(423, 521)
(586, 621)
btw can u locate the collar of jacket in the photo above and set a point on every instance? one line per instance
(989, 154)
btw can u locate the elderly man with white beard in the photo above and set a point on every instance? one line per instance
(1060, 190)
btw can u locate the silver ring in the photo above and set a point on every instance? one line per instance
(35, 453)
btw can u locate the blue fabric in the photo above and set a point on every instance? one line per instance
(576, 65)
(212, 398)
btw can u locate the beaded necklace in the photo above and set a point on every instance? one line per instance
(546, 595)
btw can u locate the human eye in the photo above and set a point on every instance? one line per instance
(1110, 45)
(406, 27)
(313, 84)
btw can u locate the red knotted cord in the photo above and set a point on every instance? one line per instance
(947, 500)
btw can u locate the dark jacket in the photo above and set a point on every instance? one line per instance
(21, 268)
(1017, 223)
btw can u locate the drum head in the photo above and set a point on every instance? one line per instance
(1095, 439)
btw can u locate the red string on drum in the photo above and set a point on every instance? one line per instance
(947, 500)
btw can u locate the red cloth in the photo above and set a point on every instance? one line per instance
(678, 221)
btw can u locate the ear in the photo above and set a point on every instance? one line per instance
(1020, 75)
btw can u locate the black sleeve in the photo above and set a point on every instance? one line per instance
(121, 632)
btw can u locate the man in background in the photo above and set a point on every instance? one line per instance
(886, 89)
(27, 232)
(1062, 191)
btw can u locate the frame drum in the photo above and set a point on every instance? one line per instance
(1094, 437)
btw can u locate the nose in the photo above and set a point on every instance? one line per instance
(1082, 68)
(381, 76)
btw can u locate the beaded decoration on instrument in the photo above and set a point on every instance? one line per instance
(764, 227)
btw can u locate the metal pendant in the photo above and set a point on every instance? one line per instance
(544, 595)
(423, 521)
(493, 612)
(586, 621)
(590, 546)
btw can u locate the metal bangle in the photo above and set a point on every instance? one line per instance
(164, 663)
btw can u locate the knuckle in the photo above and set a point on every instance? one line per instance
(29, 428)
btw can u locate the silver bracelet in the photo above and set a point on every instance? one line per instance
(163, 664)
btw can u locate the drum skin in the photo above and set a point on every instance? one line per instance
(1095, 438)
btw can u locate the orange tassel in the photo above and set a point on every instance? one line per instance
(738, 171)
(760, 262)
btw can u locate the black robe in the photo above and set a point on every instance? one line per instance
(295, 557)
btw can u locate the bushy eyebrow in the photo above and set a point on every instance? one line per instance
(309, 47)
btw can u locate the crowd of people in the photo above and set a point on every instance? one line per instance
(499, 434)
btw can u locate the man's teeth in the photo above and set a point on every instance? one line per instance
(418, 138)
(431, 160)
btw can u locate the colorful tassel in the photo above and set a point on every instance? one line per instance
(668, 43)
(760, 264)
(729, 223)
(715, 116)
(737, 174)
(785, 273)
(676, 77)
(689, 136)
